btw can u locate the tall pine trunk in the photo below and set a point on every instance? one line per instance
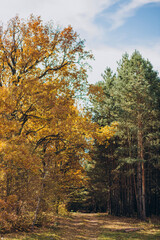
(140, 172)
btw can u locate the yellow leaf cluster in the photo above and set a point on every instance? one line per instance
(103, 134)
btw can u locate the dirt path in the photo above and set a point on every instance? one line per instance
(80, 226)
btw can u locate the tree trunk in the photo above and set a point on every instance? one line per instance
(143, 193)
(135, 190)
(139, 190)
(38, 202)
(140, 172)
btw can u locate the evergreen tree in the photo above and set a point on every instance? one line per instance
(132, 99)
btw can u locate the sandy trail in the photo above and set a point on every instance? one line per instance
(80, 226)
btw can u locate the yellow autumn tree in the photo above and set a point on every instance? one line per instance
(43, 136)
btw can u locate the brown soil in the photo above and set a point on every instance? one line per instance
(79, 226)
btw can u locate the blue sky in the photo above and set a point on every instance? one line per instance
(143, 27)
(110, 27)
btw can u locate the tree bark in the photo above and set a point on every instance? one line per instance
(38, 202)
(139, 190)
(140, 173)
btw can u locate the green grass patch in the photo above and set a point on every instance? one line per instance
(118, 235)
(129, 229)
(39, 235)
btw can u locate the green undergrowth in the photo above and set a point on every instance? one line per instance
(43, 234)
(108, 235)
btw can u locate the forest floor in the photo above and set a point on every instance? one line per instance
(82, 226)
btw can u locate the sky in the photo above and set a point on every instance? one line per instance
(110, 27)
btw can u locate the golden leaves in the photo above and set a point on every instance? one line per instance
(42, 132)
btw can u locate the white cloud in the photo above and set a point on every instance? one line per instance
(127, 10)
(106, 56)
(79, 13)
